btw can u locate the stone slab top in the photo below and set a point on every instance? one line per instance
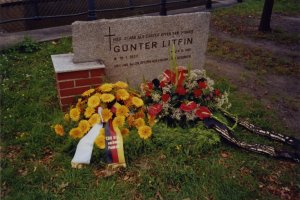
(137, 47)
(64, 63)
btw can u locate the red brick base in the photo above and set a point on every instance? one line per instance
(72, 84)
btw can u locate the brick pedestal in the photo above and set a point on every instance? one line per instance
(74, 78)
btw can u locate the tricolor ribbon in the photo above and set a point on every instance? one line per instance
(114, 146)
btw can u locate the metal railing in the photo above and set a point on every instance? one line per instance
(90, 12)
(16, 15)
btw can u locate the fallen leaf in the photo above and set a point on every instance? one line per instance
(158, 195)
(225, 154)
(23, 171)
(104, 172)
(162, 157)
(126, 178)
(245, 171)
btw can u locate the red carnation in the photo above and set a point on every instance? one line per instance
(180, 90)
(148, 94)
(202, 84)
(217, 92)
(154, 109)
(150, 85)
(188, 106)
(162, 84)
(165, 97)
(197, 92)
(203, 112)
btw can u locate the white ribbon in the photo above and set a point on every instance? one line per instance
(85, 146)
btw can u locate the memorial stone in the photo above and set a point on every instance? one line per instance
(138, 47)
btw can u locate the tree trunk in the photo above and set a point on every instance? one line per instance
(265, 20)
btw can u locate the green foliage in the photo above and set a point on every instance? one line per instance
(287, 7)
(28, 46)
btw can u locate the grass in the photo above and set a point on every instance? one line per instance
(175, 164)
(243, 19)
(254, 58)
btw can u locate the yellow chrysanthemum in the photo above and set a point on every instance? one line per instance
(75, 114)
(122, 111)
(125, 131)
(76, 133)
(106, 114)
(88, 112)
(98, 95)
(139, 122)
(93, 101)
(106, 98)
(100, 140)
(119, 121)
(102, 131)
(137, 102)
(140, 114)
(122, 94)
(88, 92)
(59, 129)
(84, 125)
(130, 120)
(151, 120)
(95, 119)
(67, 117)
(145, 132)
(106, 87)
(78, 104)
(121, 84)
(128, 102)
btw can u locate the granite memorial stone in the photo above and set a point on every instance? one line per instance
(133, 48)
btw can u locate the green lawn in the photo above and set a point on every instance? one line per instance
(175, 164)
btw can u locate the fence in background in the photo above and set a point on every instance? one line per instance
(20, 15)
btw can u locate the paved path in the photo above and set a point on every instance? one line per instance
(48, 34)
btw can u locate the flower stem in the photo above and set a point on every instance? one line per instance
(225, 123)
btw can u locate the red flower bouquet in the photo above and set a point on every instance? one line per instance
(182, 96)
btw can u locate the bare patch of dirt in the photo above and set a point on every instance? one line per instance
(11, 152)
(279, 93)
(280, 49)
(286, 23)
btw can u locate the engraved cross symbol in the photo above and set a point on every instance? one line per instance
(109, 36)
